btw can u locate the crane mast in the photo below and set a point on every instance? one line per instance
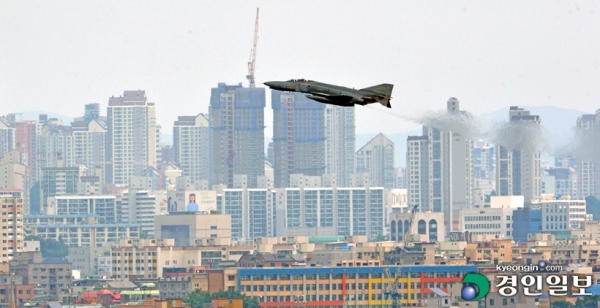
(252, 62)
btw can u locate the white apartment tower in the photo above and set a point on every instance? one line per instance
(588, 175)
(131, 136)
(377, 159)
(340, 143)
(518, 172)
(441, 173)
(89, 140)
(191, 146)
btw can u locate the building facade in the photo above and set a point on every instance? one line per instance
(441, 176)
(192, 147)
(237, 133)
(130, 137)
(7, 136)
(588, 175)
(89, 142)
(13, 233)
(298, 136)
(376, 158)
(518, 170)
(340, 143)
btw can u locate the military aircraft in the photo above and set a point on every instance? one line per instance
(336, 95)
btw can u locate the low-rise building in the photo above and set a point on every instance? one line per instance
(188, 227)
(52, 277)
(88, 260)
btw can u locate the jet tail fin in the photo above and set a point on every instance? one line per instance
(385, 90)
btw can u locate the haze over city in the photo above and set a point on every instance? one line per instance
(489, 55)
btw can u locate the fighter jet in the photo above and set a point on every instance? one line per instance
(336, 95)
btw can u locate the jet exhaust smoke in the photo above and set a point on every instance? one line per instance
(462, 122)
(525, 136)
(584, 144)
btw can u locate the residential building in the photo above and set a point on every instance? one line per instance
(52, 277)
(189, 228)
(298, 136)
(55, 147)
(346, 285)
(59, 181)
(497, 251)
(87, 260)
(588, 175)
(7, 136)
(130, 136)
(80, 230)
(140, 207)
(12, 235)
(192, 147)
(400, 178)
(495, 220)
(89, 142)
(105, 207)
(24, 292)
(377, 159)
(151, 259)
(518, 170)
(483, 160)
(440, 164)
(14, 172)
(340, 143)
(237, 133)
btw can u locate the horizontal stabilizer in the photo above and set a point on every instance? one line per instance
(383, 89)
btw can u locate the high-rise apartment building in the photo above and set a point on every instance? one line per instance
(298, 136)
(13, 173)
(7, 136)
(58, 181)
(55, 147)
(588, 175)
(441, 171)
(131, 137)
(237, 133)
(12, 235)
(89, 144)
(191, 146)
(92, 112)
(340, 143)
(518, 171)
(483, 157)
(377, 159)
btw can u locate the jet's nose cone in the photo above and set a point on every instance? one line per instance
(269, 84)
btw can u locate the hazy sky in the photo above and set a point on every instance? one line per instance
(57, 56)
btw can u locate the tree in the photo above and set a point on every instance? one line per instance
(50, 248)
(592, 206)
(380, 238)
(198, 298)
(588, 302)
(561, 304)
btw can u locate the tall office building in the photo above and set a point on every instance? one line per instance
(441, 171)
(191, 146)
(340, 143)
(377, 159)
(237, 133)
(483, 156)
(89, 143)
(55, 147)
(298, 136)
(13, 235)
(588, 175)
(131, 137)
(518, 171)
(7, 136)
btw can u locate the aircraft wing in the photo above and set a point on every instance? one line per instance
(334, 97)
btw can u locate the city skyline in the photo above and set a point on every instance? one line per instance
(513, 62)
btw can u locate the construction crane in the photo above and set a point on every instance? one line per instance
(408, 232)
(252, 61)
(392, 287)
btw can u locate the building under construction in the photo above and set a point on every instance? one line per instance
(298, 136)
(237, 132)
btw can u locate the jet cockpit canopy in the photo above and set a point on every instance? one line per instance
(298, 80)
